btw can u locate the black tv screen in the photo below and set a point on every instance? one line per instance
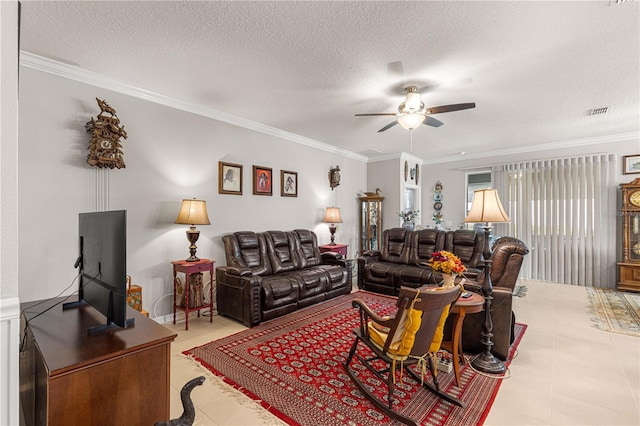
(103, 264)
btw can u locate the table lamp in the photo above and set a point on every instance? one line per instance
(486, 207)
(332, 216)
(193, 212)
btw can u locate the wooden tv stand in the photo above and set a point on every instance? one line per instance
(115, 377)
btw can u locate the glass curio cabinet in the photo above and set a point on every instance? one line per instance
(370, 222)
(629, 267)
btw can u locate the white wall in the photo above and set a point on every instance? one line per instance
(9, 302)
(170, 155)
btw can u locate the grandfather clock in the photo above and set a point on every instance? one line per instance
(629, 267)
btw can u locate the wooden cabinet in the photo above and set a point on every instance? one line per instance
(629, 267)
(370, 222)
(70, 377)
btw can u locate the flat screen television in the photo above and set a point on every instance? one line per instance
(102, 260)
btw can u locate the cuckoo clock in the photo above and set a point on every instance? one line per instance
(105, 149)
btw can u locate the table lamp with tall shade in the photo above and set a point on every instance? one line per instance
(486, 207)
(193, 212)
(332, 216)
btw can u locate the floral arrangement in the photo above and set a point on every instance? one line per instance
(409, 215)
(446, 262)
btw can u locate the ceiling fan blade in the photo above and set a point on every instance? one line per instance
(450, 108)
(376, 113)
(430, 121)
(388, 126)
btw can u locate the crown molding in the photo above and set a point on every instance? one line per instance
(81, 75)
(620, 137)
(397, 156)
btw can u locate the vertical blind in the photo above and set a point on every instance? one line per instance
(564, 210)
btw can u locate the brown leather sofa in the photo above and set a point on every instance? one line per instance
(402, 252)
(507, 255)
(273, 273)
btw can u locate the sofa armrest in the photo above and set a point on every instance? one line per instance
(473, 286)
(472, 274)
(238, 271)
(331, 257)
(239, 296)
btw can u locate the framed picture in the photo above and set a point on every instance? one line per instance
(631, 164)
(288, 183)
(262, 180)
(229, 178)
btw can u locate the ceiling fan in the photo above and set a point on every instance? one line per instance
(412, 113)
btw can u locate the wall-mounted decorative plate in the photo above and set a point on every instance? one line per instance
(437, 196)
(438, 187)
(437, 205)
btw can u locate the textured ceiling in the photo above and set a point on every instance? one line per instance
(534, 69)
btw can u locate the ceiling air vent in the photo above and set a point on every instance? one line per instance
(599, 111)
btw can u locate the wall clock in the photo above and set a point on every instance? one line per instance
(105, 149)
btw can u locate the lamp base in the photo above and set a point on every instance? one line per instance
(488, 363)
(192, 236)
(332, 230)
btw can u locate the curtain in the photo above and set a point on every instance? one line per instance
(564, 211)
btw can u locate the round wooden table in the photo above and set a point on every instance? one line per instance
(470, 305)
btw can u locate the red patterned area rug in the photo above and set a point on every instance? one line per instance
(293, 366)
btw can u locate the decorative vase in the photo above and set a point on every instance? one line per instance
(448, 280)
(408, 225)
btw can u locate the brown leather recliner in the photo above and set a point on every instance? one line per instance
(401, 260)
(507, 256)
(467, 245)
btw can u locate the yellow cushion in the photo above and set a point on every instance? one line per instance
(438, 336)
(404, 338)
(402, 342)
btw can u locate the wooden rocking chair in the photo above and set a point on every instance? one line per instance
(412, 336)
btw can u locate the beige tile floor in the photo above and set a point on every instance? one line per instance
(566, 372)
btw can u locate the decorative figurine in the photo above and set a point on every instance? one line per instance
(334, 177)
(105, 149)
(189, 412)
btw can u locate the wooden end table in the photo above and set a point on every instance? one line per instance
(189, 268)
(336, 248)
(470, 305)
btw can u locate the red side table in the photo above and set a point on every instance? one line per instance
(189, 268)
(336, 248)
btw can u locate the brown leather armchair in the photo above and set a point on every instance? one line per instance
(507, 256)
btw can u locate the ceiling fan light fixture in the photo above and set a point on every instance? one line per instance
(411, 121)
(413, 102)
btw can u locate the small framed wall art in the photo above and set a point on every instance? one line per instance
(229, 178)
(262, 180)
(288, 183)
(631, 164)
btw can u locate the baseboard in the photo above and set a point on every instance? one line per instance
(9, 361)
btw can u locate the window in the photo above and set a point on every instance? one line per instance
(475, 181)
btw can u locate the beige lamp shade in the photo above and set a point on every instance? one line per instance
(486, 207)
(332, 215)
(193, 212)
